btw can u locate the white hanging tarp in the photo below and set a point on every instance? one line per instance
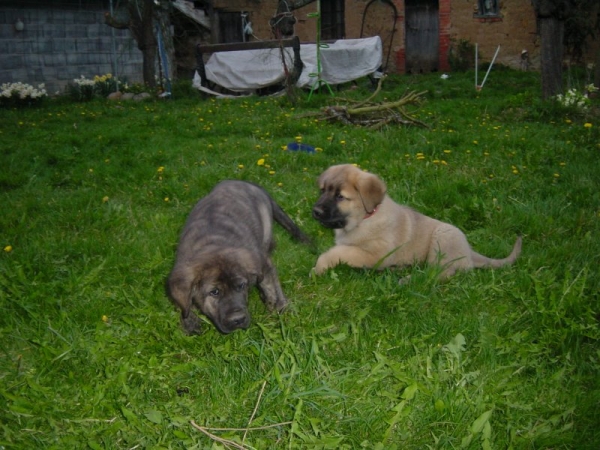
(342, 61)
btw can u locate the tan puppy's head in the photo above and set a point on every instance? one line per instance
(348, 196)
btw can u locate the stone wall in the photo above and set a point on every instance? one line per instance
(57, 45)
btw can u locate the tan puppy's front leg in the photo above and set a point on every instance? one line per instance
(353, 256)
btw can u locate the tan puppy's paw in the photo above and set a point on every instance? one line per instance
(321, 266)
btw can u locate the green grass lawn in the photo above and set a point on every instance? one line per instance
(94, 196)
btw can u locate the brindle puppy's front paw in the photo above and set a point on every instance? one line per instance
(191, 324)
(281, 304)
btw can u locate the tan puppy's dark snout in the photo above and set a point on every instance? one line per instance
(318, 211)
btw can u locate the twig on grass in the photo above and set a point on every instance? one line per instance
(262, 389)
(227, 442)
(214, 437)
(207, 431)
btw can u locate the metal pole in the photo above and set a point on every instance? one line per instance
(476, 64)
(114, 49)
(489, 68)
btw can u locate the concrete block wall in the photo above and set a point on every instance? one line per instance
(59, 45)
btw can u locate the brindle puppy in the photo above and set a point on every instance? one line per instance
(371, 230)
(223, 251)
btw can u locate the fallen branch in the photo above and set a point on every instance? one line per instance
(373, 115)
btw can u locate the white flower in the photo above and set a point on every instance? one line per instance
(574, 98)
(22, 91)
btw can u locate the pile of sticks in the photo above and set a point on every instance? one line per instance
(374, 115)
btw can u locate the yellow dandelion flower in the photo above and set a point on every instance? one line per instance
(318, 149)
(420, 157)
(515, 171)
(563, 164)
(475, 142)
(8, 248)
(568, 121)
(260, 162)
(556, 175)
(436, 161)
(166, 199)
(105, 199)
(444, 163)
(240, 166)
(161, 169)
(447, 152)
(587, 125)
(271, 172)
(298, 138)
(104, 318)
(91, 170)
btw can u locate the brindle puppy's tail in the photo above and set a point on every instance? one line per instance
(288, 224)
(484, 261)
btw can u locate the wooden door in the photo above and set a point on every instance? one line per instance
(379, 19)
(422, 36)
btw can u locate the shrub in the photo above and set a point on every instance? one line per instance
(462, 55)
(105, 84)
(84, 89)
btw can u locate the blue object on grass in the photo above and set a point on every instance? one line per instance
(297, 147)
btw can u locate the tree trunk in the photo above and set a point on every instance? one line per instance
(141, 25)
(551, 32)
(597, 70)
(163, 18)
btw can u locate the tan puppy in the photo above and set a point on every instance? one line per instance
(371, 230)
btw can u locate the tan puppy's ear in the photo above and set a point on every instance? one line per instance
(371, 190)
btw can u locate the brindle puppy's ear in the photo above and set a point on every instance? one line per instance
(371, 190)
(180, 289)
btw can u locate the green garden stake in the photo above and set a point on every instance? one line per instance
(319, 81)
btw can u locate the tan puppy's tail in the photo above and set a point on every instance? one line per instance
(480, 261)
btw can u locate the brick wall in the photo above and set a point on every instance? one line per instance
(58, 45)
(514, 31)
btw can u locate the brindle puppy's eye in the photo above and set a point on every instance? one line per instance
(241, 286)
(215, 292)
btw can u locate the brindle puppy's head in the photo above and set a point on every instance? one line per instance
(218, 286)
(348, 195)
